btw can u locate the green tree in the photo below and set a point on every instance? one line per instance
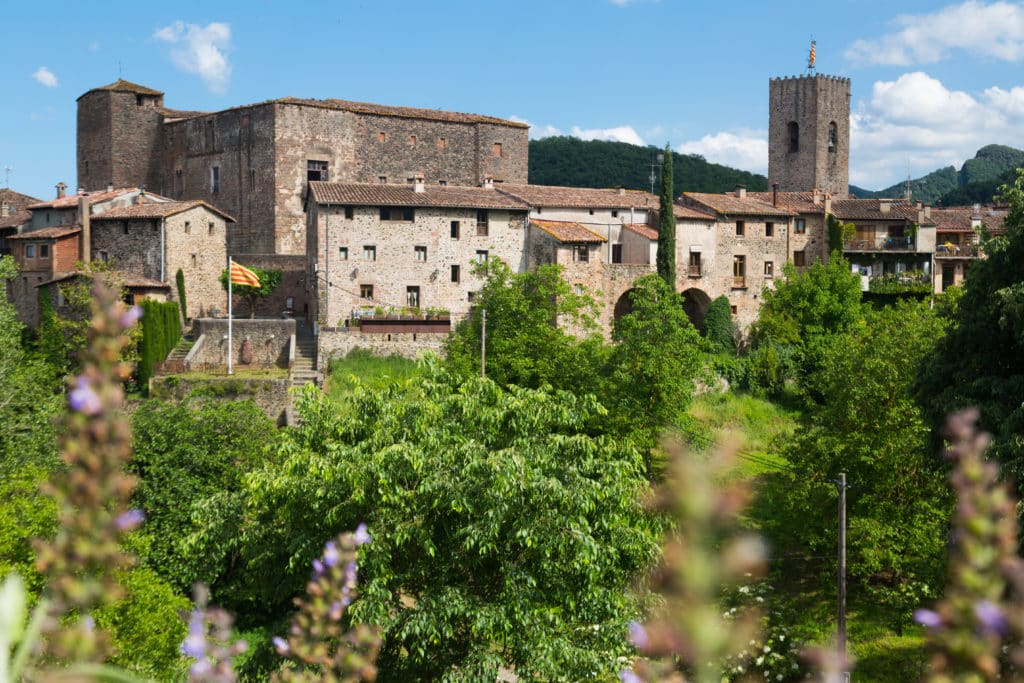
(179, 281)
(270, 279)
(503, 534)
(667, 224)
(719, 328)
(529, 344)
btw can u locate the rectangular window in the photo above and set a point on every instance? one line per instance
(343, 253)
(481, 256)
(800, 225)
(482, 222)
(209, 228)
(693, 268)
(441, 143)
(455, 230)
(397, 213)
(30, 251)
(733, 309)
(252, 178)
(799, 259)
(179, 182)
(769, 229)
(769, 269)
(350, 212)
(442, 183)
(616, 253)
(124, 227)
(369, 253)
(193, 260)
(105, 257)
(412, 140)
(741, 228)
(382, 179)
(615, 213)
(456, 274)
(497, 149)
(215, 179)
(316, 170)
(209, 135)
(382, 136)
(366, 292)
(412, 297)
(188, 227)
(739, 272)
(421, 253)
(470, 296)
(581, 252)
(44, 251)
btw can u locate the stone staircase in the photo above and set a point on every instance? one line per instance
(304, 368)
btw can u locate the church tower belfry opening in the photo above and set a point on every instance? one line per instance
(809, 132)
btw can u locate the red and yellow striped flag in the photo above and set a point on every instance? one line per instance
(810, 61)
(240, 275)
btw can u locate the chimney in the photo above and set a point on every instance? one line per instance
(81, 190)
(741, 191)
(419, 183)
(5, 209)
(884, 205)
(83, 220)
(775, 194)
(828, 202)
(927, 210)
(816, 195)
(622, 190)
(61, 190)
(110, 186)
(488, 182)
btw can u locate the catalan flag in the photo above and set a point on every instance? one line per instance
(240, 275)
(810, 60)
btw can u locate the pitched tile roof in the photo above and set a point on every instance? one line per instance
(568, 232)
(156, 210)
(642, 230)
(121, 85)
(994, 221)
(870, 210)
(47, 233)
(379, 194)
(19, 203)
(580, 197)
(71, 200)
(797, 202)
(729, 203)
(954, 219)
(691, 212)
(15, 219)
(402, 112)
(16, 198)
(125, 278)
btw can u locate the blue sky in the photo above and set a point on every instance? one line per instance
(932, 82)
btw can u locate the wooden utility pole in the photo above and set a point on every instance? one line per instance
(841, 576)
(483, 344)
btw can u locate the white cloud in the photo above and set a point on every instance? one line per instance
(743, 149)
(537, 132)
(994, 30)
(916, 124)
(46, 77)
(617, 134)
(200, 50)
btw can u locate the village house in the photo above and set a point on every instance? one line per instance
(14, 215)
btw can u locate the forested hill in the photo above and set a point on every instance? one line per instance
(595, 163)
(976, 181)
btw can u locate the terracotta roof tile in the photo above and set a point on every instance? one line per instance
(156, 210)
(17, 199)
(797, 202)
(580, 197)
(374, 194)
(402, 112)
(994, 220)
(567, 232)
(642, 230)
(71, 200)
(730, 204)
(954, 219)
(691, 212)
(121, 85)
(125, 278)
(870, 210)
(47, 233)
(15, 219)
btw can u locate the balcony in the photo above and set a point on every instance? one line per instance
(694, 270)
(881, 243)
(909, 282)
(739, 282)
(950, 250)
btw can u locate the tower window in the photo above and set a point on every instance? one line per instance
(215, 179)
(769, 229)
(833, 137)
(741, 228)
(794, 136)
(456, 274)
(316, 170)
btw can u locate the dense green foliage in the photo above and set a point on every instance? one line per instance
(179, 281)
(719, 328)
(595, 163)
(161, 330)
(666, 260)
(270, 279)
(502, 532)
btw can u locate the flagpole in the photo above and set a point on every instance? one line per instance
(229, 315)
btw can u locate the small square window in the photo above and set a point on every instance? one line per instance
(481, 256)
(615, 213)
(343, 253)
(412, 296)
(382, 179)
(769, 229)
(470, 296)
(442, 143)
(30, 251)
(497, 149)
(581, 253)
(382, 136)
(741, 228)
(456, 274)
(800, 225)
(455, 230)
(412, 140)
(366, 292)
(733, 309)
(44, 251)
(350, 212)
(421, 253)
(369, 253)
(769, 269)
(799, 259)
(442, 183)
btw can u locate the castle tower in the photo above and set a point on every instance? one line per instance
(809, 134)
(119, 136)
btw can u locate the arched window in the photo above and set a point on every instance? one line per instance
(833, 137)
(794, 136)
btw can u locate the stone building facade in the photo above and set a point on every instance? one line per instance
(256, 161)
(14, 215)
(809, 134)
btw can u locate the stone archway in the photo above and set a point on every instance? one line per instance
(624, 306)
(695, 303)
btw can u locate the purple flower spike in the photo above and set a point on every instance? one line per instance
(334, 614)
(83, 399)
(350, 574)
(131, 316)
(990, 617)
(132, 519)
(281, 645)
(927, 618)
(89, 623)
(318, 567)
(201, 669)
(331, 554)
(638, 635)
(627, 676)
(195, 643)
(362, 536)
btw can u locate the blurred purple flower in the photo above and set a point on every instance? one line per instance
(83, 399)
(200, 669)
(627, 676)
(990, 617)
(281, 645)
(638, 635)
(318, 567)
(194, 644)
(131, 316)
(362, 536)
(89, 623)
(131, 519)
(927, 618)
(350, 574)
(334, 614)
(331, 554)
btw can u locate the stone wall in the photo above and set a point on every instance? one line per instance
(196, 244)
(95, 162)
(271, 340)
(271, 395)
(757, 249)
(290, 297)
(119, 138)
(336, 342)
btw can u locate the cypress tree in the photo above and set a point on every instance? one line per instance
(667, 225)
(180, 281)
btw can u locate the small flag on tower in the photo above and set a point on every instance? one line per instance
(810, 61)
(240, 275)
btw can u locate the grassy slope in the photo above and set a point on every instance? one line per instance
(372, 371)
